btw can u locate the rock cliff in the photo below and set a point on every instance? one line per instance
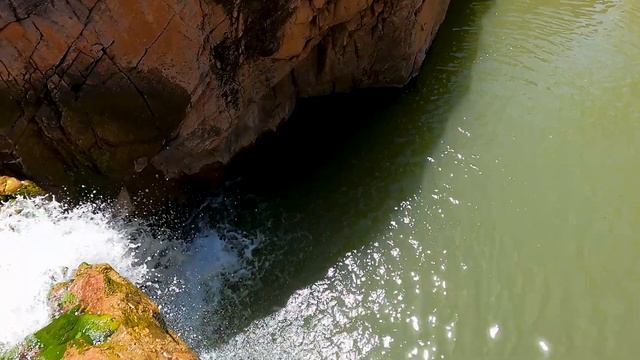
(113, 91)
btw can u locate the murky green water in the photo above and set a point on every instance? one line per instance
(489, 211)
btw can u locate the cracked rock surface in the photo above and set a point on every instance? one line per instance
(109, 90)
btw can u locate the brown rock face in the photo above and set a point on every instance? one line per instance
(109, 90)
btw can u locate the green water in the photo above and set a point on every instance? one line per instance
(489, 211)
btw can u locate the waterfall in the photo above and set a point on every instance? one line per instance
(43, 241)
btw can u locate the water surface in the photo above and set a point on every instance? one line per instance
(488, 212)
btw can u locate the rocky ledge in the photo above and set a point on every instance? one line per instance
(101, 315)
(11, 188)
(122, 91)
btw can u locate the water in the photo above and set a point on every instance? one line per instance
(43, 241)
(486, 212)
(40, 243)
(489, 212)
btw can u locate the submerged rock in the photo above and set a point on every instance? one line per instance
(101, 315)
(11, 187)
(126, 91)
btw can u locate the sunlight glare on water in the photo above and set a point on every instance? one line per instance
(489, 212)
(521, 240)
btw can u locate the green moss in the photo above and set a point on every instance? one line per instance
(76, 330)
(68, 299)
(30, 189)
(111, 286)
(24, 188)
(59, 298)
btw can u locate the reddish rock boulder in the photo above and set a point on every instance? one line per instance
(113, 91)
(101, 315)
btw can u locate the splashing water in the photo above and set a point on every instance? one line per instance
(42, 242)
(190, 286)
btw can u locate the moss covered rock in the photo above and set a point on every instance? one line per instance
(11, 187)
(101, 315)
(73, 329)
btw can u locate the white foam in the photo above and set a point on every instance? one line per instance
(40, 244)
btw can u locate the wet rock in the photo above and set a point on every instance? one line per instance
(90, 87)
(101, 315)
(11, 187)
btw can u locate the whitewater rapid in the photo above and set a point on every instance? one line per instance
(42, 242)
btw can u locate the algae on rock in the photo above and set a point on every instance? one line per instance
(11, 188)
(101, 315)
(73, 329)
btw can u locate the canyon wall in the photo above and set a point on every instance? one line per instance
(117, 91)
